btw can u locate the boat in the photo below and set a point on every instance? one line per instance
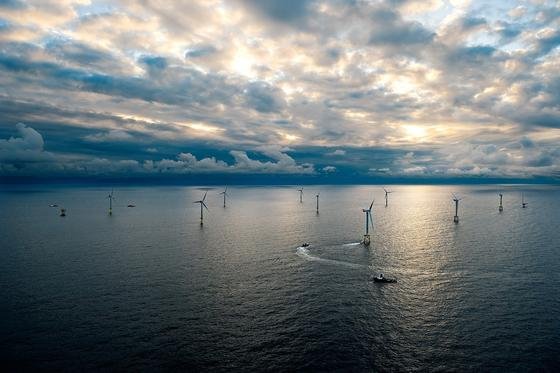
(306, 244)
(131, 206)
(53, 205)
(381, 278)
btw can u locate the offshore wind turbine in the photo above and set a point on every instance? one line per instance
(300, 195)
(456, 200)
(225, 194)
(387, 192)
(501, 207)
(202, 204)
(317, 196)
(111, 197)
(369, 220)
(523, 203)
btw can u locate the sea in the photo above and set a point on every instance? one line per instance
(148, 288)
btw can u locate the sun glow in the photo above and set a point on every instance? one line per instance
(413, 131)
(243, 63)
(204, 128)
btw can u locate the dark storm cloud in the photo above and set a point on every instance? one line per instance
(197, 51)
(287, 11)
(264, 98)
(390, 29)
(193, 86)
(75, 52)
(269, 86)
(154, 62)
(474, 55)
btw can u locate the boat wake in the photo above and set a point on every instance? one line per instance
(304, 253)
(352, 244)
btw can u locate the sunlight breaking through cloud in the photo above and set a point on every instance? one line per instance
(361, 84)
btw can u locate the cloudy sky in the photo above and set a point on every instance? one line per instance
(327, 90)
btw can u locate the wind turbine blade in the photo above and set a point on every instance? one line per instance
(370, 206)
(204, 204)
(385, 190)
(370, 219)
(204, 198)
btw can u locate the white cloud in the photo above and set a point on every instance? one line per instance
(18, 155)
(26, 148)
(112, 135)
(338, 152)
(325, 76)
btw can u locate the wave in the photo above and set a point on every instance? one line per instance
(305, 254)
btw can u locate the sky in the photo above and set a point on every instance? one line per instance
(291, 89)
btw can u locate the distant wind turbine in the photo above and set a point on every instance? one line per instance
(225, 194)
(369, 220)
(387, 192)
(202, 204)
(300, 195)
(456, 200)
(501, 207)
(111, 197)
(317, 196)
(523, 203)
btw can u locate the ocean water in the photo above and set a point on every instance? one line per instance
(149, 289)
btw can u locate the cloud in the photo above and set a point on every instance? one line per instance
(154, 63)
(338, 152)
(329, 169)
(263, 97)
(28, 147)
(112, 135)
(391, 29)
(202, 50)
(106, 82)
(18, 155)
(286, 11)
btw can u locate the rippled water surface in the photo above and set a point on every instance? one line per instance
(149, 288)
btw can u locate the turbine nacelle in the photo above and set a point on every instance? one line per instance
(202, 201)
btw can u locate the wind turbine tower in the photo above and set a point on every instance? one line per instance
(501, 207)
(387, 192)
(110, 197)
(523, 203)
(456, 200)
(317, 196)
(369, 220)
(300, 195)
(202, 205)
(225, 194)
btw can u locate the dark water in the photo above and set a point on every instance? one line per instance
(149, 289)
